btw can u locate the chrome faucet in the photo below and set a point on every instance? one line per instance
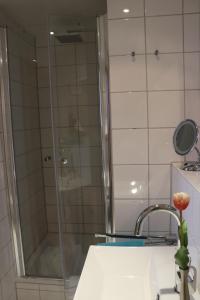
(138, 230)
(152, 209)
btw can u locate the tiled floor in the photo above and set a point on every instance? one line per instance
(45, 289)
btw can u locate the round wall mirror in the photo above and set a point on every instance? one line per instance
(185, 137)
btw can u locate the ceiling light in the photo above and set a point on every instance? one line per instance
(51, 32)
(126, 10)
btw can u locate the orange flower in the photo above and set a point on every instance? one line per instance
(181, 200)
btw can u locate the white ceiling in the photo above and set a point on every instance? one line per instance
(34, 12)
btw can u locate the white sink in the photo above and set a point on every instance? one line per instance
(127, 273)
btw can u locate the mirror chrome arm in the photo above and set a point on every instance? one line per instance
(198, 153)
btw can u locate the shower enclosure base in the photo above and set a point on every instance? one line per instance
(44, 288)
(46, 260)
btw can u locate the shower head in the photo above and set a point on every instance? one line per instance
(69, 37)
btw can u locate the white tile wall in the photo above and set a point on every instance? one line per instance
(160, 218)
(130, 209)
(87, 74)
(168, 85)
(159, 181)
(44, 96)
(42, 58)
(28, 294)
(161, 149)
(38, 289)
(130, 181)
(165, 72)
(115, 8)
(66, 75)
(164, 34)
(191, 32)
(166, 109)
(162, 7)
(49, 295)
(87, 95)
(192, 71)
(65, 55)
(88, 116)
(86, 53)
(127, 73)
(69, 93)
(118, 42)
(191, 6)
(131, 105)
(192, 108)
(43, 77)
(130, 146)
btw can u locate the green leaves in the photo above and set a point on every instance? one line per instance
(182, 255)
(182, 232)
(182, 258)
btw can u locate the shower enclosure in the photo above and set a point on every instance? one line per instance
(55, 103)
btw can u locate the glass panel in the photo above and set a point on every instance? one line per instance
(41, 252)
(77, 132)
(60, 192)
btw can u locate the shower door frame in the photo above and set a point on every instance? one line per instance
(9, 153)
(104, 106)
(9, 146)
(105, 117)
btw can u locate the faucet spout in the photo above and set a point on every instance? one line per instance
(153, 209)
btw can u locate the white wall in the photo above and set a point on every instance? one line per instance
(148, 95)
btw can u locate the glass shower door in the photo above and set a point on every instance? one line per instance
(77, 142)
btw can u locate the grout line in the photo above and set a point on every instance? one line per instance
(147, 103)
(146, 199)
(141, 128)
(74, 85)
(154, 16)
(79, 141)
(67, 65)
(184, 77)
(184, 65)
(151, 91)
(70, 105)
(152, 53)
(129, 164)
(96, 127)
(151, 164)
(65, 46)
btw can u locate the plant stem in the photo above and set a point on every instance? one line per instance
(181, 216)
